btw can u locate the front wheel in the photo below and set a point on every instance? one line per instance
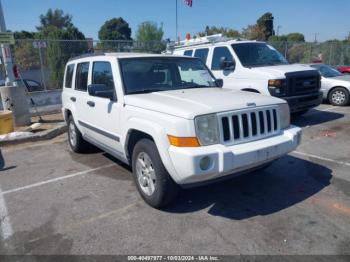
(152, 180)
(339, 96)
(75, 139)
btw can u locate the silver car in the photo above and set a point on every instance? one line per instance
(334, 85)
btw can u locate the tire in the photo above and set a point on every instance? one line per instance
(75, 139)
(339, 96)
(300, 113)
(152, 180)
(346, 73)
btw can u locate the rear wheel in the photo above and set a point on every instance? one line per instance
(75, 139)
(339, 96)
(152, 180)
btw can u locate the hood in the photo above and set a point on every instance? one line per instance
(189, 103)
(278, 71)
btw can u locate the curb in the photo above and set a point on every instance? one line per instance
(44, 135)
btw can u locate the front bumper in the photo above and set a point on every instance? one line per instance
(304, 102)
(226, 160)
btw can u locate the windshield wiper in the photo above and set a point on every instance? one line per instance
(146, 91)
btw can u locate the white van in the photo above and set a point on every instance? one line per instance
(256, 67)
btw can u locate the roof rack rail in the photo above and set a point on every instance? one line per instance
(202, 40)
(87, 55)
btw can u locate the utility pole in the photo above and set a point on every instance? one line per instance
(6, 53)
(316, 34)
(13, 96)
(278, 29)
(177, 33)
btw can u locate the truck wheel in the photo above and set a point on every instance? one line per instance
(339, 96)
(75, 139)
(152, 180)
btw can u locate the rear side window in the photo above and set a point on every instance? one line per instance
(81, 77)
(69, 76)
(220, 52)
(188, 52)
(102, 74)
(202, 54)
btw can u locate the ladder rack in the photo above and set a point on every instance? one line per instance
(202, 40)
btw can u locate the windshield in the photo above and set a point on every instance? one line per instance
(258, 54)
(327, 71)
(145, 75)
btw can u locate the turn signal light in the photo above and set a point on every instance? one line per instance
(275, 83)
(183, 141)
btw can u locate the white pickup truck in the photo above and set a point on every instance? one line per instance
(171, 120)
(256, 67)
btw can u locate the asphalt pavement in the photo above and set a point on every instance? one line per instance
(53, 201)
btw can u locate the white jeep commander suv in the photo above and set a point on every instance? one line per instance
(171, 120)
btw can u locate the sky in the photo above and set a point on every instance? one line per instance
(326, 18)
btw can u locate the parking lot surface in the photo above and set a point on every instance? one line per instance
(53, 201)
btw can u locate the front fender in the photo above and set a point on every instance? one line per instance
(159, 135)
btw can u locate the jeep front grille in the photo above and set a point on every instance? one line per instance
(248, 125)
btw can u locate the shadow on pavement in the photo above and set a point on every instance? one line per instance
(287, 182)
(315, 117)
(2, 163)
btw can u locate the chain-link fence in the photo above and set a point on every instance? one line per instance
(42, 61)
(333, 53)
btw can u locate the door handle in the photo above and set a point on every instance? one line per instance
(73, 99)
(91, 103)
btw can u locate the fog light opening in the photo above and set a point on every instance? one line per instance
(205, 163)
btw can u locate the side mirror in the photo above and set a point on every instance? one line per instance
(227, 65)
(219, 82)
(100, 90)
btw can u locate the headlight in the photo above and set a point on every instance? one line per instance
(277, 87)
(284, 114)
(207, 129)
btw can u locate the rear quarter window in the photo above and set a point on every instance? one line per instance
(69, 76)
(81, 77)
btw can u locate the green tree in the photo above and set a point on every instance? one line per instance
(253, 32)
(265, 24)
(299, 53)
(56, 27)
(25, 55)
(295, 37)
(213, 30)
(150, 37)
(24, 35)
(115, 29)
(55, 18)
(278, 38)
(149, 31)
(335, 52)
